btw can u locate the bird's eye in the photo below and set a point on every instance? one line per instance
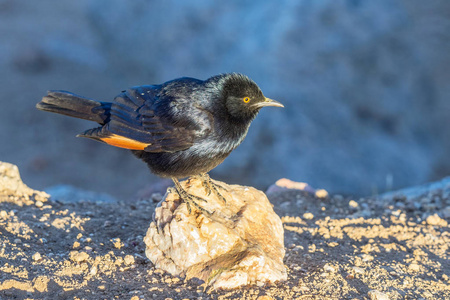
(246, 99)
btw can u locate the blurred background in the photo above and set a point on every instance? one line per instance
(366, 86)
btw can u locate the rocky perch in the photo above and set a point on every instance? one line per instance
(241, 243)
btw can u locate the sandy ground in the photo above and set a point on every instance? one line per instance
(337, 248)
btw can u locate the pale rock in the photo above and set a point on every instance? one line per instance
(129, 260)
(284, 184)
(353, 204)
(308, 216)
(240, 243)
(40, 283)
(435, 220)
(321, 193)
(11, 184)
(78, 257)
(377, 295)
(36, 256)
(414, 267)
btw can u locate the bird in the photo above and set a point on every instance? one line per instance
(181, 128)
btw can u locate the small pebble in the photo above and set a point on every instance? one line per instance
(39, 204)
(321, 193)
(93, 270)
(78, 256)
(37, 256)
(76, 245)
(393, 273)
(17, 241)
(129, 259)
(377, 295)
(3, 214)
(367, 257)
(353, 204)
(308, 216)
(414, 267)
(117, 243)
(328, 268)
(435, 220)
(358, 270)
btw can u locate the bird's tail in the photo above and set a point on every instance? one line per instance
(72, 105)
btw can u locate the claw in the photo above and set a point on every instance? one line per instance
(189, 199)
(211, 186)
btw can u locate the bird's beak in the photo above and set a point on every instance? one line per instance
(269, 102)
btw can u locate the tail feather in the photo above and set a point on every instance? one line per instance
(72, 105)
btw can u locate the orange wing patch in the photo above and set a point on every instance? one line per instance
(124, 142)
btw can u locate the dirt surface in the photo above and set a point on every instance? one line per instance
(337, 248)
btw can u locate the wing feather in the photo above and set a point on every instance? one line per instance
(137, 122)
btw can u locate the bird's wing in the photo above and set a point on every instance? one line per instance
(139, 120)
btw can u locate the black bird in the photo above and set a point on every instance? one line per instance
(181, 128)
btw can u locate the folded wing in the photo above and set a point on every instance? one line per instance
(138, 122)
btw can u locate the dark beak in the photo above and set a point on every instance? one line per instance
(268, 102)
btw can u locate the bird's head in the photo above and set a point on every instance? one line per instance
(243, 97)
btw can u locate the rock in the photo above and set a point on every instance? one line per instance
(321, 193)
(329, 268)
(308, 216)
(265, 297)
(12, 189)
(241, 243)
(358, 270)
(40, 283)
(129, 259)
(377, 295)
(68, 194)
(78, 257)
(287, 184)
(117, 243)
(435, 220)
(414, 267)
(353, 204)
(36, 256)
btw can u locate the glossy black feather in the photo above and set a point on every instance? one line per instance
(189, 126)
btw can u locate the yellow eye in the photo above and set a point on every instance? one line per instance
(246, 99)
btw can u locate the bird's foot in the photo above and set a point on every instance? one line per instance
(209, 186)
(190, 199)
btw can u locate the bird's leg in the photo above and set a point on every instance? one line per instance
(211, 186)
(188, 198)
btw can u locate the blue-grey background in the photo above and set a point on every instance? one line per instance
(365, 85)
